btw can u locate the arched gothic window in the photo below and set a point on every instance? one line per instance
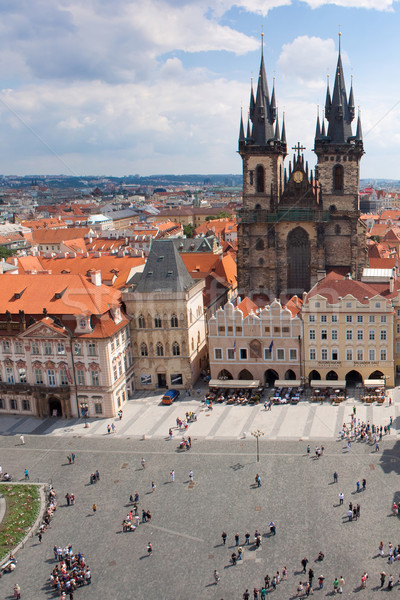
(157, 322)
(176, 351)
(141, 322)
(260, 244)
(143, 350)
(260, 179)
(338, 177)
(174, 321)
(159, 349)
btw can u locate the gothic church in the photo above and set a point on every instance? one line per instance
(295, 226)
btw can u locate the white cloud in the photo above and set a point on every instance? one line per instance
(382, 5)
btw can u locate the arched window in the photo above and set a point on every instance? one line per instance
(174, 321)
(157, 322)
(338, 177)
(191, 316)
(141, 322)
(176, 351)
(198, 337)
(192, 344)
(159, 349)
(260, 244)
(143, 350)
(337, 230)
(260, 177)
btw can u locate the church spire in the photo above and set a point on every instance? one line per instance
(241, 128)
(359, 135)
(339, 115)
(277, 131)
(262, 118)
(352, 110)
(318, 127)
(328, 101)
(283, 138)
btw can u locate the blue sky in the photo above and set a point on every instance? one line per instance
(156, 86)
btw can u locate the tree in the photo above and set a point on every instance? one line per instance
(188, 230)
(5, 252)
(223, 214)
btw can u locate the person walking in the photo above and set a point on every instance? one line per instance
(94, 507)
(233, 558)
(383, 578)
(149, 549)
(40, 537)
(364, 484)
(236, 539)
(216, 576)
(247, 538)
(304, 562)
(22, 440)
(153, 487)
(26, 473)
(358, 486)
(172, 475)
(190, 475)
(223, 537)
(143, 463)
(341, 584)
(68, 498)
(341, 498)
(335, 477)
(240, 553)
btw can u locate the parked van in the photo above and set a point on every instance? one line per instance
(170, 396)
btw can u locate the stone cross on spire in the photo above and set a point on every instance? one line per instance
(299, 148)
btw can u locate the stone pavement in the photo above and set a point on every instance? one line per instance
(146, 416)
(297, 493)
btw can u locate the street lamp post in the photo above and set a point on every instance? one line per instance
(84, 412)
(257, 434)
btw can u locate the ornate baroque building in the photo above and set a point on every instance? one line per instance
(295, 225)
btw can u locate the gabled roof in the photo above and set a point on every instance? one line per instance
(246, 306)
(56, 236)
(334, 287)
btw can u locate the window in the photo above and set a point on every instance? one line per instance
(143, 350)
(2, 403)
(26, 405)
(277, 330)
(371, 354)
(51, 377)
(371, 318)
(174, 321)
(80, 377)
(92, 349)
(221, 329)
(349, 318)
(312, 334)
(176, 351)
(117, 341)
(157, 322)
(334, 334)
(13, 404)
(371, 334)
(383, 354)
(349, 334)
(112, 345)
(398, 328)
(239, 329)
(22, 375)
(35, 348)
(243, 353)
(260, 184)
(334, 354)
(60, 348)
(292, 354)
(324, 334)
(18, 347)
(98, 408)
(285, 329)
(123, 335)
(317, 304)
(230, 353)
(159, 349)
(280, 354)
(338, 178)
(334, 318)
(6, 346)
(324, 318)
(9, 375)
(38, 377)
(313, 354)
(119, 368)
(311, 318)
(115, 371)
(360, 335)
(377, 304)
(383, 335)
(77, 349)
(348, 304)
(141, 322)
(176, 379)
(383, 318)
(349, 354)
(94, 375)
(360, 319)
(82, 323)
(63, 377)
(324, 354)
(47, 348)
(360, 354)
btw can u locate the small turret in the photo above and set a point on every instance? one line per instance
(273, 104)
(241, 128)
(328, 101)
(352, 110)
(359, 135)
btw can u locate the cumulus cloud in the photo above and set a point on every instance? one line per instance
(383, 5)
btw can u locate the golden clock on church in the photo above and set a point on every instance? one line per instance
(298, 176)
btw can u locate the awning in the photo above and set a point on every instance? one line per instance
(330, 383)
(287, 383)
(234, 383)
(374, 383)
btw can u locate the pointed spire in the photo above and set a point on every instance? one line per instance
(273, 103)
(318, 127)
(241, 128)
(339, 117)
(328, 101)
(359, 135)
(352, 110)
(323, 132)
(277, 132)
(248, 129)
(252, 101)
(262, 121)
(283, 138)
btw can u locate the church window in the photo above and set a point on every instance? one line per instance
(337, 229)
(260, 244)
(257, 207)
(298, 260)
(175, 349)
(260, 183)
(143, 350)
(157, 322)
(141, 322)
(338, 177)
(174, 321)
(159, 349)
(251, 173)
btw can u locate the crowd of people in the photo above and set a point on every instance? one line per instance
(359, 431)
(70, 572)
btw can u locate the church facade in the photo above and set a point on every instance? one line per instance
(295, 226)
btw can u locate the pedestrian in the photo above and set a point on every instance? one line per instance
(348, 446)
(26, 473)
(153, 486)
(216, 576)
(190, 475)
(233, 558)
(258, 480)
(272, 528)
(383, 578)
(310, 575)
(172, 475)
(358, 486)
(341, 498)
(376, 446)
(380, 549)
(94, 508)
(240, 552)
(144, 516)
(246, 595)
(335, 585)
(68, 498)
(358, 511)
(143, 463)
(321, 580)
(149, 549)
(308, 452)
(17, 591)
(22, 440)
(341, 584)
(170, 433)
(224, 537)
(236, 539)
(73, 457)
(114, 429)
(300, 589)
(364, 484)
(108, 429)
(350, 514)
(335, 477)
(304, 562)
(97, 476)
(390, 582)
(40, 537)
(247, 538)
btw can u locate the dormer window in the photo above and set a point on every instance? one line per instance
(83, 324)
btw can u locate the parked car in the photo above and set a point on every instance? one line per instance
(170, 396)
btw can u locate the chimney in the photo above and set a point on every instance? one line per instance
(95, 277)
(321, 274)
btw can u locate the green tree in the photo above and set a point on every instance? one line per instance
(188, 230)
(5, 252)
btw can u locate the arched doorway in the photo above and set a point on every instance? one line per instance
(298, 259)
(270, 376)
(245, 375)
(224, 374)
(353, 377)
(290, 374)
(55, 408)
(332, 376)
(376, 375)
(314, 375)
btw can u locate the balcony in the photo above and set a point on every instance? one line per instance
(283, 214)
(27, 388)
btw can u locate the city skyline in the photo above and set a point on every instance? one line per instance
(157, 87)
